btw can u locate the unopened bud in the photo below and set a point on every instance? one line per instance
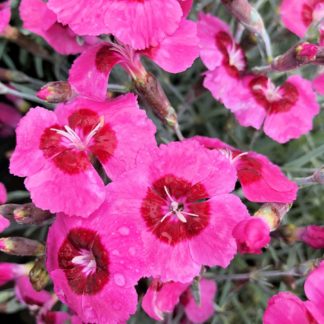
(288, 233)
(297, 56)
(38, 275)
(25, 214)
(56, 92)
(150, 89)
(273, 214)
(30, 214)
(21, 246)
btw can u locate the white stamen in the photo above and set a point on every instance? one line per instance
(271, 92)
(74, 138)
(174, 209)
(85, 259)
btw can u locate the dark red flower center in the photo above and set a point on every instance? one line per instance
(233, 57)
(175, 210)
(85, 261)
(71, 147)
(311, 9)
(273, 99)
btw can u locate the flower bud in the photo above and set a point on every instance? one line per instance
(38, 275)
(273, 214)
(30, 214)
(13, 76)
(21, 246)
(151, 90)
(251, 235)
(312, 235)
(56, 92)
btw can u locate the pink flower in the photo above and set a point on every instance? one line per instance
(180, 199)
(5, 15)
(11, 271)
(140, 24)
(55, 149)
(298, 15)
(224, 59)
(318, 84)
(163, 297)
(261, 180)
(94, 264)
(39, 19)
(252, 235)
(90, 71)
(287, 111)
(312, 235)
(9, 118)
(289, 309)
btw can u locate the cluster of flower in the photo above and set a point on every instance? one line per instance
(168, 210)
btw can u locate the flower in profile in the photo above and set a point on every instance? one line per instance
(287, 308)
(140, 24)
(55, 150)
(224, 59)
(5, 14)
(181, 201)
(9, 118)
(261, 180)
(298, 15)
(94, 264)
(38, 18)
(90, 71)
(163, 298)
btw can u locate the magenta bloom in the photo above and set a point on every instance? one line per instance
(90, 71)
(39, 19)
(55, 150)
(289, 309)
(287, 111)
(94, 264)
(9, 118)
(298, 15)
(312, 235)
(180, 199)
(261, 180)
(224, 59)
(252, 235)
(140, 24)
(163, 297)
(5, 15)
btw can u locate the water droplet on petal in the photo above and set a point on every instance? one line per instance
(132, 251)
(124, 230)
(115, 252)
(116, 305)
(119, 280)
